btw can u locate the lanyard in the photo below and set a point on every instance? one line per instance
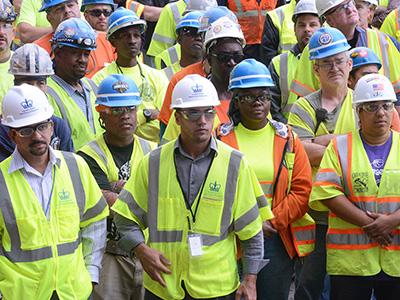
(51, 192)
(188, 206)
(141, 76)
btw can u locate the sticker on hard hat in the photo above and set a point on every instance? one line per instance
(378, 89)
(325, 39)
(217, 28)
(120, 87)
(362, 53)
(197, 88)
(69, 32)
(27, 106)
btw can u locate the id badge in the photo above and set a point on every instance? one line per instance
(195, 244)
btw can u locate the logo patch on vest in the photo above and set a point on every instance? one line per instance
(360, 182)
(64, 196)
(214, 187)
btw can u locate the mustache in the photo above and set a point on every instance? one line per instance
(37, 142)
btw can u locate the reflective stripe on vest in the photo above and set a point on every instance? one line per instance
(169, 72)
(267, 188)
(283, 79)
(342, 142)
(163, 39)
(175, 12)
(158, 236)
(300, 89)
(173, 55)
(328, 176)
(383, 45)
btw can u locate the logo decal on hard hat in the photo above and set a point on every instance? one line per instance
(378, 89)
(120, 87)
(27, 104)
(69, 32)
(325, 39)
(197, 88)
(361, 53)
(217, 28)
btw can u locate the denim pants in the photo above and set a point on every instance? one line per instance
(274, 280)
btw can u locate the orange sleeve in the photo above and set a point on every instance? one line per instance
(288, 208)
(166, 111)
(395, 121)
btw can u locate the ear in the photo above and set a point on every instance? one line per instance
(111, 39)
(351, 81)
(12, 134)
(178, 118)
(316, 69)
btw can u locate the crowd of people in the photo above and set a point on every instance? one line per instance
(200, 149)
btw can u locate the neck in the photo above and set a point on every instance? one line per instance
(254, 124)
(194, 149)
(68, 79)
(332, 95)
(126, 62)
(5, 55)
(348, 32)
(221, 85)
(118, 141)
(39, 163)
(187, 59)
(374, 139)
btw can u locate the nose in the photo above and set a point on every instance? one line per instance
(202, 119)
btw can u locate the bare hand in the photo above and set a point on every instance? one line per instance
(247, 289)
(380, 230)
(153, 262)
(268, 229)
(117, 186)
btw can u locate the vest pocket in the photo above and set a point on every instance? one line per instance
(208, 218)
(32, 232)
(170, 214)
(68, 224)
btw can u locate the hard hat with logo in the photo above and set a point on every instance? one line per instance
(202, 5)
(304, 7)
(373, 87)
(194, 91)
(31, 60)
(7, 12)
(122, 18)
(192, 19)
(327, 42)
(75, 33)
(250, 73)
(223, 28)
(213, 14)
(46, 4)
(95, 2)
(324, 5)
(362, 56)
(118, 90)
(25, 105)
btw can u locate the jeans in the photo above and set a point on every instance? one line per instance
(274, 280)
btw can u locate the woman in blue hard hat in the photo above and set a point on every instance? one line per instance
(112, 158)
(282, 168)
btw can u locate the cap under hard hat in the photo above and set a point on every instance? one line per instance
(327, 41)
(373, 87)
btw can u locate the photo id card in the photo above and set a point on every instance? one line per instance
(195, 244)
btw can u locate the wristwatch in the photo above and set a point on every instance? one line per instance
(147, 114)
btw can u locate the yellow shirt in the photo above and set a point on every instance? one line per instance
(29, 13)
(7, 80)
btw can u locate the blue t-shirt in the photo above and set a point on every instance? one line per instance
(377, 156)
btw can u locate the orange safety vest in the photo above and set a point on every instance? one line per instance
(251, 17)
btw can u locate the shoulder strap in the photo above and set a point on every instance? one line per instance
(60, 105)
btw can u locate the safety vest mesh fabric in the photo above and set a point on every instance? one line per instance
(99, 151)
(169, 56)
(391, 24)
(344, 171)
(303, 229)
(38, 255)
(282, 19)
(172, 69)
(164, 35)
(251, 17)
(285, 66)
(227, 208)
(306, 82)
(67, 109)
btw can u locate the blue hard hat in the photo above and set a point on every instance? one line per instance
(362, 56)
(327, 42)
(46, 4)
(250, 73)
(122, 18)
(76, 33)
(94, 2)
(7, 12)
(192, 19)
(118, 90)
(213, 14)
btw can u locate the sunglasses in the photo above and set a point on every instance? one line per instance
(226, 57)
(28, 131)
(374, 107)
(194, 115)
(251, 99)
(117, 111)
(98, 12)
(190, 31)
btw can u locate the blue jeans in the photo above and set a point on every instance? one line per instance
(274, 280)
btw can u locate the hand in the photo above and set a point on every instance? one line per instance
(380, 230)
(153, 262)
(247, 289)
(117, 186)
(154, 113)
(268, 229)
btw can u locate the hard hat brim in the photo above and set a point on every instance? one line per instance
(193, 104)
(30, 120)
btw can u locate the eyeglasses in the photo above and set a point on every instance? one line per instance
(194, 115)
(342, 7)
(330, 64)
(117, 111)
(191, 31)
(374, 107)
(251, 99)
(28, 131)
(98, 12)
(226, 57)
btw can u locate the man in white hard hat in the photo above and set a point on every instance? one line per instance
(366, 10)
(193, 195)
(53, 215)
(358, 183)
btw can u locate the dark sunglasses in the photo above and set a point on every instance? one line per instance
(194, 115)
(98, 12)
(226, 57)
(251, 99)
(191, 31)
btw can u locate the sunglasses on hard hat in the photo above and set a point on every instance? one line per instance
(29, 130)
(226, 57)
(194, 115)
(98, 12)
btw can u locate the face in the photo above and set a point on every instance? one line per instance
(72, 61)
(41, 83)
(333, 70)
(375, 117)
(7, 34)
(63, 11)
(253, 105)
(36, 144)
(360, 72)
(226, 54)
(127, 41)
(343, 15)
(196, 124)
(366, 13)
(192, 41)
(119, 121)
(304, 28)
(97, 16)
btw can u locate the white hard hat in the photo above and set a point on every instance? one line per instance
(202, 5)
(194, 91)
(373, 2)
(223, 28)
(25, 105)
(305, 7)
(373, 87)
(31, 60)
(324, 5)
